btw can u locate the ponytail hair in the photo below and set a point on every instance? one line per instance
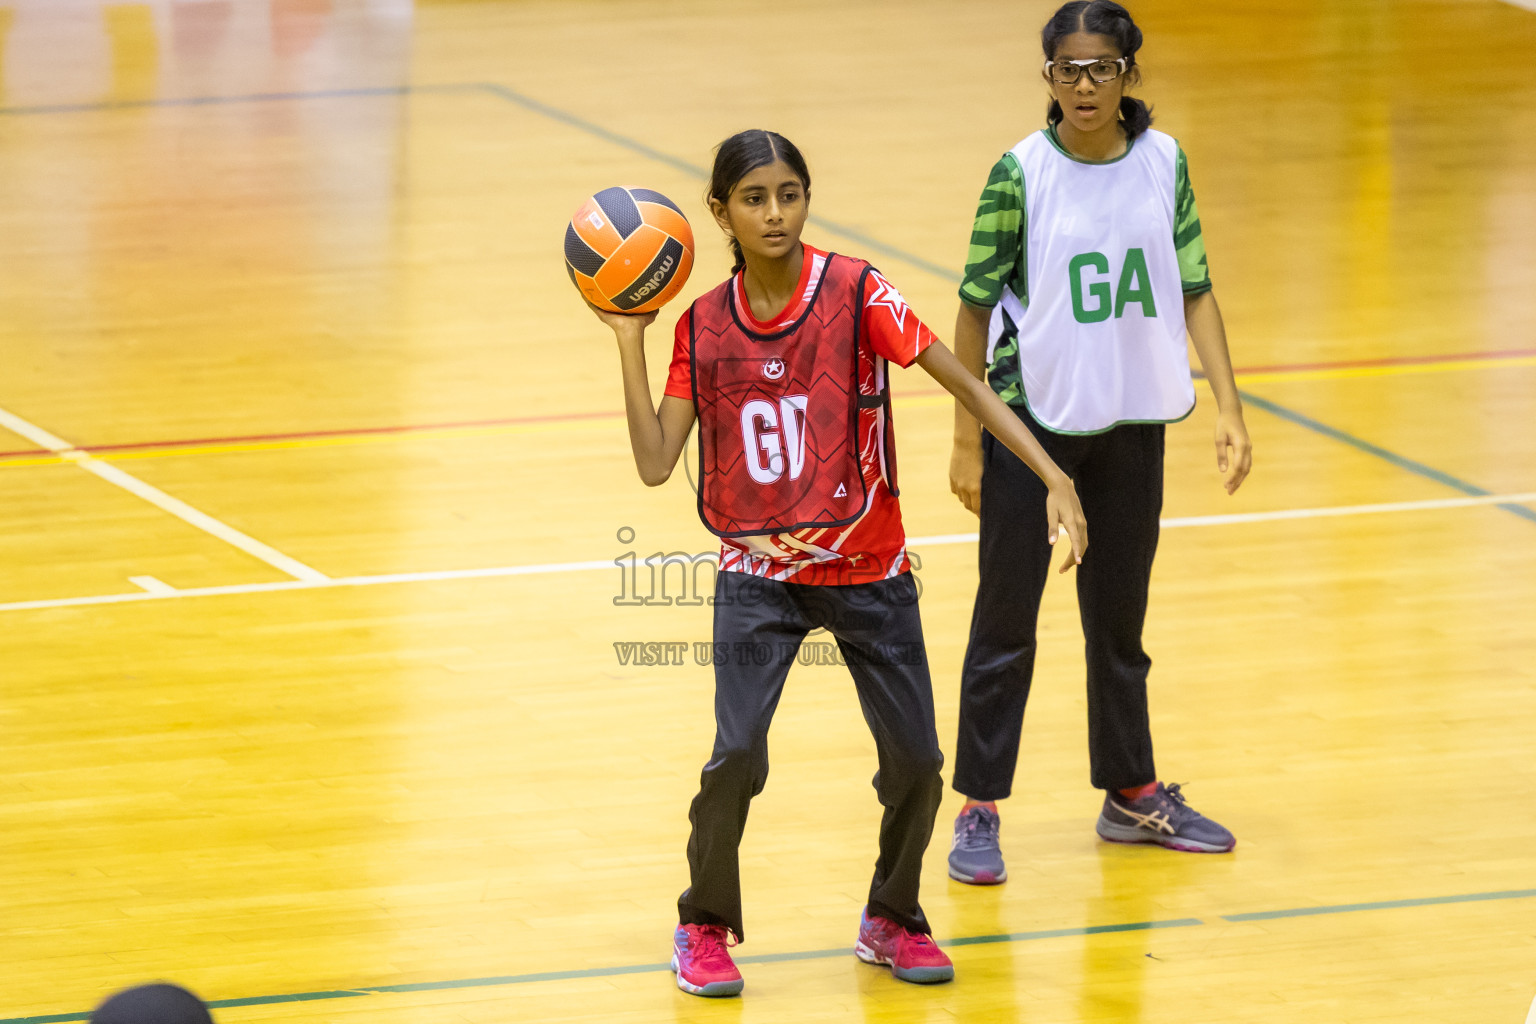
(1100, 18)
(743, 153)
(1136, 115)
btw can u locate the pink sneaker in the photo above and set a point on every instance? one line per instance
(701, 961)
(911, 956)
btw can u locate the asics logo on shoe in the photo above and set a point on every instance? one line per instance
(1157, 821)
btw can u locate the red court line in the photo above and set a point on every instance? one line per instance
(304, 435)
(307, 435)
(1354, 364)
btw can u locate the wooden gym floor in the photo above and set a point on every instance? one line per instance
(315, 474)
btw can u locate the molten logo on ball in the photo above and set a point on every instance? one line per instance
(656, 280)
(628, 250)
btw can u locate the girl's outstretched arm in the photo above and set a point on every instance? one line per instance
(1061, 504)
(965, 456)
(657, 437)
(1234, 451)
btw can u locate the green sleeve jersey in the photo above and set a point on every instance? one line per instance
(1187, 240)
(999, 238)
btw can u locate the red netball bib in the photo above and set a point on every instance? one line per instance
(779, 412)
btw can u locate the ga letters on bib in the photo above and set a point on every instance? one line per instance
(797, 471)
(1133, 287)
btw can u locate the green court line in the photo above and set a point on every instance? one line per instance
(979, 940)
(1400, 461)
(634, 145)
(1350, 908)
(1300, 419)
(812, 954)
(1056, 933)
(612, 972)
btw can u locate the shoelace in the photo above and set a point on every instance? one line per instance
(980, 832)
(918, 943)
(886, 931)
(714, 941)
(1178, 807)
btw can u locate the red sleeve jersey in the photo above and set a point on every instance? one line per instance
(680, 373)
(874, 546)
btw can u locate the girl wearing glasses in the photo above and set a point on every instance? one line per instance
(1086, 269)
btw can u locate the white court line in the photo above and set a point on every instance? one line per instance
(326, 583)
(155, 496)
(1285, 513)
(1352, 510)
(1529, 5)
(152, 585)
(556, 568)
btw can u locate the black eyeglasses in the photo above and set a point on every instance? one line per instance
(1067, 72)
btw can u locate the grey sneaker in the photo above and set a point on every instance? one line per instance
(974, 857)
(1163, 818)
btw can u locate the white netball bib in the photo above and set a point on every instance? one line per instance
(1101, 340)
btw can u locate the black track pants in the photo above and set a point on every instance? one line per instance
(1119, 480)
(759, 625)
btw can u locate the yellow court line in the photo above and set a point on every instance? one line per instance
(43, 460)
(512, 429)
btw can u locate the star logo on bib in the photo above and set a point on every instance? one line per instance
(886, 295)
(773, 369)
